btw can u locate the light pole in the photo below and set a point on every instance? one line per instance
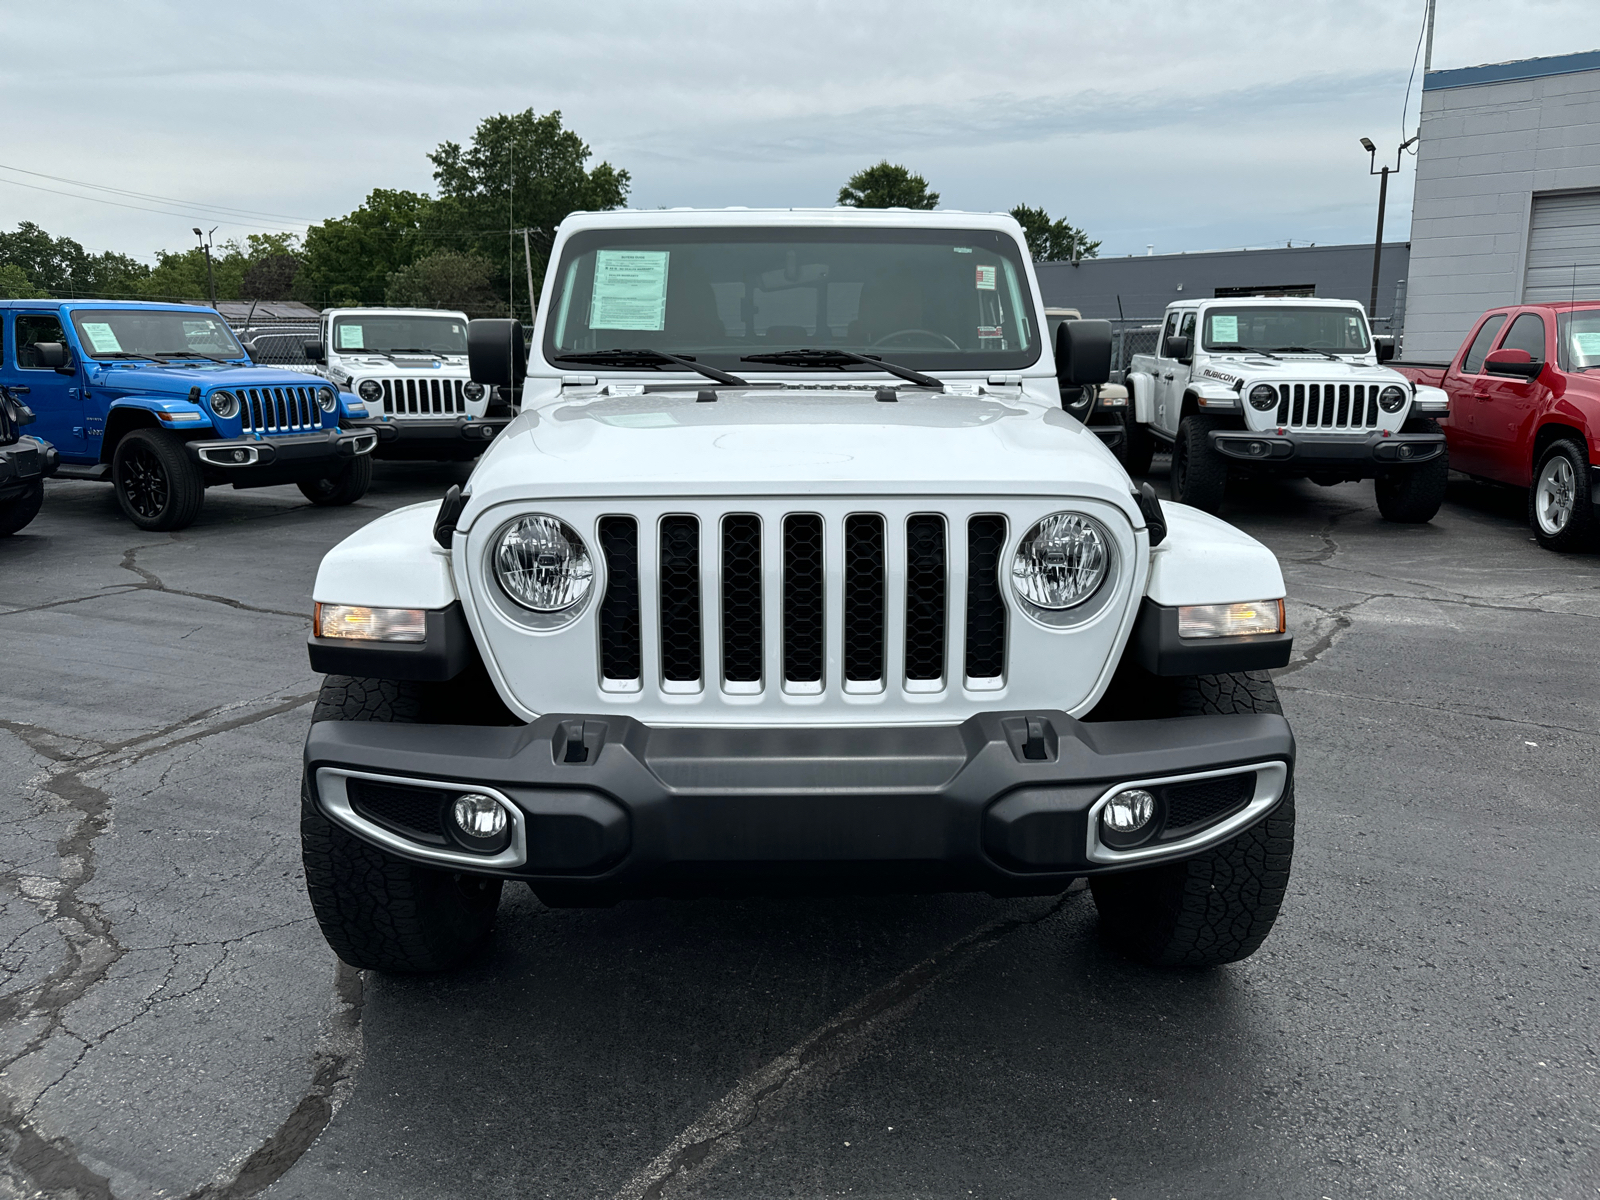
(211, 280)
(1383, 198)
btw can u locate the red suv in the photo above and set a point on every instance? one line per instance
(1525, 410)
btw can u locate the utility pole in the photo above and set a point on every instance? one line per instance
(527, 261)
(1383, 197)
(211, 279)
(1427, 54)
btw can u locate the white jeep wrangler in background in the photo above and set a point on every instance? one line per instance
(410, 367)
(1288, 387)
(793, 573)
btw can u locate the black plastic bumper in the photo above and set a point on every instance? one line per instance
(24, 462)
(248, 462)
(1299, 451)
(452, 437)
(610, 806)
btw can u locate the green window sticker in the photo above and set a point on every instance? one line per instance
(1224, 328)
(630, 290)
(1588, 344)
(351, 338)
(102, 337)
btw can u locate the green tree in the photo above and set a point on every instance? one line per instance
(447, 279)
(64, 268)
(1053, 241)
(15, 284)
(887, 185)
(348, 260)
(521, 170)
(181, 274)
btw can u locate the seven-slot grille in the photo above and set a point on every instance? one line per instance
(1328, 405)
(424, 397)
(279, 409)
(798, 641)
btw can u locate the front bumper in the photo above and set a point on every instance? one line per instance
(249, 462)
(1358, 456)
(24, 463)
(603, 806)
(452, 437)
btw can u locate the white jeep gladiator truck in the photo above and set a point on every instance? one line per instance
(794, 573)
(410, 367)
(1287, 387)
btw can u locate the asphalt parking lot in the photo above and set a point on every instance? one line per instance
(1423, 1022)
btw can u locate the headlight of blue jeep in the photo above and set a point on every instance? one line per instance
(327, 398)
(1392, 399)
(542, 564)
(225, 404)
(370, 391)
(1264, 396)
(473, 389)
(1062, 561)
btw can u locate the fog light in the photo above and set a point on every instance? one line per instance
(1258, 448)
(479, 816)
(1127, 812)
(1405, 451)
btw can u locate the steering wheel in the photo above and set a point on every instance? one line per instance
(926, 333)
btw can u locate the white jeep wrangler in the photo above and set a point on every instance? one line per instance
(793, 573)
(410, 367)
(1288, 387)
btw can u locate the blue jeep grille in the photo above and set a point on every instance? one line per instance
(280, 410)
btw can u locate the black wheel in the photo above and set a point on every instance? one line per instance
(19, 510)
(1218, 906)
(1137, 444)
(157, 486)
(1560, 505)
(379, 911)
(1199, 474)
(345, 488)
(1412, 495)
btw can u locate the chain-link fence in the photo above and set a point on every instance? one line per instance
(279, 342)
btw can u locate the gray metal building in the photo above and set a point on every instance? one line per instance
(1508, 194)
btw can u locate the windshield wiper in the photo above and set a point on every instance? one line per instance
(1249, 350)
(188, 354)
(1310, 350)
(126, 356)
(814, 357)
(648, 358)
(411, 350)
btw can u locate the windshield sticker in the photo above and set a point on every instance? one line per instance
(101, 337)
(1224, 328)
(1588, 344)
(986, 279)
(351, 338)
(990, 331)
(630, 290)
(962, 249)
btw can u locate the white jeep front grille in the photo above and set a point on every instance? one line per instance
(412, 397)
(1328, 405)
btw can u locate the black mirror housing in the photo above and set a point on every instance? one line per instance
(314, 351)
(1176, 347)
(497, 354)
(1083, 353)
(1514, 370)
(1384, 347)
(51, 356)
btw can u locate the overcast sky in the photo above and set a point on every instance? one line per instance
(1189, 126)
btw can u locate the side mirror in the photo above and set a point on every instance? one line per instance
(1517, 364)
(1083, 353)
(315, 352)
(51, 356)
(496, 353)
(1176, 347)
(250, 351)
(1385, 348)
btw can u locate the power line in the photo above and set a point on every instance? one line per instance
(100, 187)
(187, 216)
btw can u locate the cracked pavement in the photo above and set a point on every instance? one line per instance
(1421, 1022)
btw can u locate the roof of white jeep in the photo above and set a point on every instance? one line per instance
(390, 312)
(940, 218)
(1236, 301)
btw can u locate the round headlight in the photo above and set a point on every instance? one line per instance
(1264, 396)
(327, 398)
(1392, 399)
(473, 389)
(224, 404)
(543, 564)
(370, 391)
(1061, 561)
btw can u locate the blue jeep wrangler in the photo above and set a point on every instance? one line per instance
(24, 462)
(163, 401)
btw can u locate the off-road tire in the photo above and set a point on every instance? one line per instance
(1199, 473)
(19, 510)
(157, 486)
(1578, 530)
(345, 488)
(1138, 446)
(1412, 495)
(379, 911)
(1218, 906)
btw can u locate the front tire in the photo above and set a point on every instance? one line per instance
(379, 911)
(1199, 474)
(157, 487)
(19, 510)
(336, 490)
(1412, 495)
(1219, 906)
(1560, 505)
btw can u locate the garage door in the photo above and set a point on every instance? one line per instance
(1565, 235)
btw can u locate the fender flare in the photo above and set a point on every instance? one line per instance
(1141, 389)
(392, 562)
(127, 413)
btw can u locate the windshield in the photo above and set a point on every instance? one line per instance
(1578, 339)
(1339, 330)
(154, 333)
(936, 299)
(389, 332)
